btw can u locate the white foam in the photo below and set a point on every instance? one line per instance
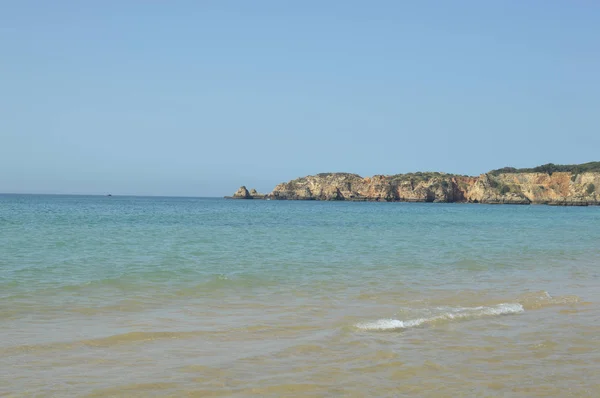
(448, 315)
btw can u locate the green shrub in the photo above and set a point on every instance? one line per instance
(591, 189)
(553, 168)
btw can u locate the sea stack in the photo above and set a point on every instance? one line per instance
(243, 193)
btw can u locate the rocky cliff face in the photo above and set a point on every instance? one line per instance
(559, 188)
(418, 187)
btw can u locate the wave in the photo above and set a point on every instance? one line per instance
(450, 315)
(543, 299)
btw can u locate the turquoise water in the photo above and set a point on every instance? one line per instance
(179, 292)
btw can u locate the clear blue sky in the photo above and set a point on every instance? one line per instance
(200, 97)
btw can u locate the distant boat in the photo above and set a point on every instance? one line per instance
(109, 195)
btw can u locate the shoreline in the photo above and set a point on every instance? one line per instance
(557, 204)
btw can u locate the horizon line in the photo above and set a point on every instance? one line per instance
(109, 195)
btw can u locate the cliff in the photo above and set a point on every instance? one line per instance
(578, 186)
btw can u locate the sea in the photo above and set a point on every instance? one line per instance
(206, 297)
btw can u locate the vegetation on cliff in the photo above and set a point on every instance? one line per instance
(550, 168)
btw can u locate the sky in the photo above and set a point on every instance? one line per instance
(195, 98)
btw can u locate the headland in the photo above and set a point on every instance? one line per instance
(561, 185)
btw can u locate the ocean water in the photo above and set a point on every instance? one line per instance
(172, 297)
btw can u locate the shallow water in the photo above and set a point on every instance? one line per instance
(127, 296)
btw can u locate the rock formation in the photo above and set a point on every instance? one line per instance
(243, 193)
(577, 187)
